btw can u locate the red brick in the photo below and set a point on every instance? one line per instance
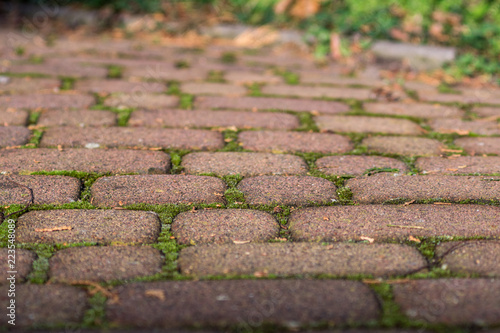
(13, 136)
(317, 92)
(356, 165)
(475, 146)
(12, 117)
(80, 118)
(23, 262)
(142, 100)
(320, 78)
(47, 101)
(29, 85)
(59, 67)
(165, 72)
(487, 111)
(204, 88)
(367, 125)
(459, 165)
(401, 145)
(420, 110)
(465, 127)
(470, 257)
(116, 86)
(241, 77)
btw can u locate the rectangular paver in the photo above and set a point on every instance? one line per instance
(205, 88)
(117, 86)
(357, 165)
(47, 101)
(479, 146)
(317, 92)
(13, 117)
(81, 118)
(404, 145)
(465, 127)
(14, 136)
(361, 124)
(27, 85)
(459, 164)
(141, 99)
(419, 110)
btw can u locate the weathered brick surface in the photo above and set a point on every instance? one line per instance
(486, 95)
(287, 190)
(23, 262)
(81, 118)
(42, 305)
(294, 142)
(115, 161)
(357, 165)
(317, 92)
(116, 86)
(104, 263)
(165, 72)
(391, 222)
(29, 85)
(446, 98)
(188, 303)
(13, 136)
(142, 100)
(459, 165)
(122, 137)
(450, 301)
(409, 146)
(320, 78)
(46, 189)
(383, 187)
(99, 226)
(363, 124)
(420, 110)
(242, 77)
(487, 111)
(465, 127)
(243, 163)
(478, 146)
(339, 259)
(184, 118)
(157, 189)
(61, 68)
(224, 226)
(47, 101)
(12, 117)
(471, 257)
(267, 103)
(205, 88)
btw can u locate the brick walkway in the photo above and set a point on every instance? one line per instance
(173, 188)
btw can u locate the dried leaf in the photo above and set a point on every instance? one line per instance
(240, 242)
(370, 240)
(157, 293)
(53, 229)
(413, 239)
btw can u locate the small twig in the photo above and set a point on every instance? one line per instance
(404, 226)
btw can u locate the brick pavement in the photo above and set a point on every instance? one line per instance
(165, 199)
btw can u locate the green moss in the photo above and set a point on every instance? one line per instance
(67, 83)
(254, 89)
(95, 316)
(412, 94)
(173, 88)
(231, 140)
(182, 64)
(186, 101)
(373, 171)
(39, 272)
(36, 136)
(447, 89)
(176, 159)
(115, 72)
(19, 50)
(345, 195)
(307, 123)
(289, 77)
(391, 312)
(228, 58)
(36, 59)
(33, 118)
(216, 76)
(25, 75)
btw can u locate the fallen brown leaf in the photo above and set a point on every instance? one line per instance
(53, 229)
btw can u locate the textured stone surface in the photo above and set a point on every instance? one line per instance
(472, 257)
(23, 261)
(81, 118)
(420, 110)
(115, 161)
(188, 303)
(242, 77)
(157, 189)
(465, 127)
(184, 118)
(100, 226)
(46, 189)
(383, 187)
(13, 117)
(142, 100)
(13, 136)
(339, 259)
(104, 263)
(409, 146)
(115, 86)
(362, 124)
(357, 165)
(487, 111)
(391, 222)
(61, 67)
(243, 163)
(287, 190)
(47, 305)
(450, 301)
(459, 165)
(294, 142)
(164, 71)
(475, 146)
(47, 101)
(224, 226)
(317, 92)
(204, 88)
(123, 137)
(268, 103)
(318, 77)
(27, 85)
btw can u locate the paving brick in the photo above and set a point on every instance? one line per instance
(420, 110)
(47, 101)
(319, 77)
(29, 85)
(239, 119)
(484, 96)
(43, 305)
(99, 226)
(241, 77)
(142, 100)
(471, 257)
(14, 136)
(46, 189)
(243, 163)
(12, 117)
(157, 189)
(478, 146)
(445, 98)
(339, 259)
(465, 127)
(80, 118)
(357, 165)
(117, 86)
(287, 190)
(23, 263)
(459, 165)
(165, 72)
(60, 68)
(224, 226)
(204, 88)
(487, 111)
(243, 302)
(450, 301)
(294, 142)
(317, 92)
(409, 146)
(104, 263)
(383, 187)
(362, 124)
(123, 137)
(391, 222)
(267, 103)
(86, 160)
